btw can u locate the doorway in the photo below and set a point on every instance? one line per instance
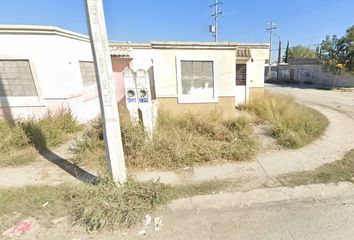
(241, 77)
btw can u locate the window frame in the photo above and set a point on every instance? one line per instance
(182, 98)
(23, 101)
(82, 80)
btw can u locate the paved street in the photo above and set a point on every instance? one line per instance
(339, 100)
(311, 217)
(325, 213)
(313, 212)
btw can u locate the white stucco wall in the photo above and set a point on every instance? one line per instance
(255, 68)
(142, 58)
(315, 74)
(54, 55)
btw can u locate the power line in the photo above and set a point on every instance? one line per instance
(307, 45)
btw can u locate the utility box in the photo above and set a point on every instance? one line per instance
(131, 94)
(142, 108)
(144, 99)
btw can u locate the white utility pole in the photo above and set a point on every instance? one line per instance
(214, 28)
(270, 29)
(106, 93)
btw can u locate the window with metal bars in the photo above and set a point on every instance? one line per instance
(88, 74)
(241, 74)
(197, 78)
(16, 79)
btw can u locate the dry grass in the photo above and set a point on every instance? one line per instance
(19, 203)
(12, 137)
(18, 158)
(106, 206)
(101, 206)
(338, 171)
(19, 138)
(177, 142)
(50, 130)
(291, 124)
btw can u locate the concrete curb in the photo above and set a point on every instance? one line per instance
(264, 196)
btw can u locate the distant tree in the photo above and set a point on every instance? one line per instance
(286, 57)
(336, 50)
(300, 51)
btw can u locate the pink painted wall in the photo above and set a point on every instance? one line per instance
(118, 66)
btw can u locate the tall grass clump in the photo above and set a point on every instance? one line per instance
(291, 124)
(20, 139)
(108, 206)
(182, 141)
(12, 137)
(50, 130)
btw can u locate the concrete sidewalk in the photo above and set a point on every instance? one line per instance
(336, 141)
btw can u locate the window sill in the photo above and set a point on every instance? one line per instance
(196, 100)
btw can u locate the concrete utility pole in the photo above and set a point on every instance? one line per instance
(279, 54)
(214, 28)
(106, 93)
(279, 59)
(270, 29)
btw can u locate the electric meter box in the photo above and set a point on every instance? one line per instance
(143, 86)
(138, 99)
(131, 95)
(144, 98)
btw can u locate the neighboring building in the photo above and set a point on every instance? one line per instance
(48, 68)
(311, 71)
(197, 74)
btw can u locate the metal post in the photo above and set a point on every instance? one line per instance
(216, 21)
(215, 16)
(270, 29)
(279, 59)
(106, 93)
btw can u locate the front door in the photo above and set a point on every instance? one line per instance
(240, 84)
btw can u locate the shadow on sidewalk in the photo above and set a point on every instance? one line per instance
(37, 138)
(38, 141)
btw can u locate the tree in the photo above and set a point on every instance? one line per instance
(300, 51)
(336, 50)
(286, 57)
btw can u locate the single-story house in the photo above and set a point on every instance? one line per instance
(197, 75)
(47, 68)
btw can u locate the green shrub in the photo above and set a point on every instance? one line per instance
(292, 124)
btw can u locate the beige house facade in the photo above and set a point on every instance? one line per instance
(54, 69)
(200, 76)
